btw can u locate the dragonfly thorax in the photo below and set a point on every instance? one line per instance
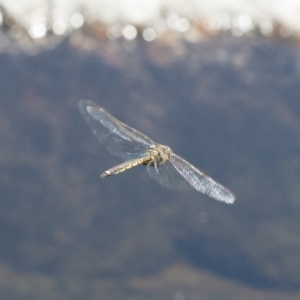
(159, 154)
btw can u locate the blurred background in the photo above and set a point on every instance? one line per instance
(217, 81)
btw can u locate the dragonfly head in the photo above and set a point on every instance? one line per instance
(159, 154)
(161, 148)
(166, 148)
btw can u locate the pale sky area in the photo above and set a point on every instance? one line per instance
(243, 14)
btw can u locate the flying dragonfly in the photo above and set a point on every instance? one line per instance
(135, 148)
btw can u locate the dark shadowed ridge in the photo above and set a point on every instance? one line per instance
(227, 105)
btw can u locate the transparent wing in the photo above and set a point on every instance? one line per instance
(168, 176)
(200, 181)
(120, 139)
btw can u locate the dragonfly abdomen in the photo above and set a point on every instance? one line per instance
(125, 166)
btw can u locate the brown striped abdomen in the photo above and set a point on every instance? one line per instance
(125, 166)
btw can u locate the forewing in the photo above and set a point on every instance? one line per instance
(120, 139)
(200, 181)
(166, 175)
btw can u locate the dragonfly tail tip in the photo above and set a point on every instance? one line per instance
(105, 174)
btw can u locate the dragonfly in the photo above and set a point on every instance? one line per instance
(135, 148)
